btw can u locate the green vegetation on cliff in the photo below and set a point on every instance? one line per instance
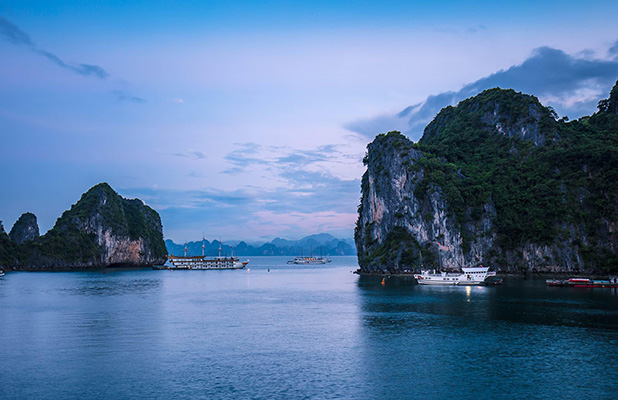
(570, 178)
(8, 248)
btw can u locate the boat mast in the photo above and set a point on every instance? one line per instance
(219, 247)
(185, 248)
(203, 246)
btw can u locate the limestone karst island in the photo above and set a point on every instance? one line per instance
(101, 230)
(496, 180)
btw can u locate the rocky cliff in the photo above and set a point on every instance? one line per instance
(496, 180)
(25, 228)
(101, 230)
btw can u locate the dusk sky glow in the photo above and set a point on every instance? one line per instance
(249, 119)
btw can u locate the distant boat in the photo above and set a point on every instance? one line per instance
(1, 273)
(309, 260)
(472, 276)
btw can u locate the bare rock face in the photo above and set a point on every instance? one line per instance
(101, 230)
(397, 229)
(498, 181)
(25, 228)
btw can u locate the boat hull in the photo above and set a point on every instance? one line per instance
(448, 283)
(470, 276)
(436, 283)
(309, 261)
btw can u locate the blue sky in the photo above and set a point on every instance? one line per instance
(249, 120)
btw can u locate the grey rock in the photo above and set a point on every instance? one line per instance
(25, 228)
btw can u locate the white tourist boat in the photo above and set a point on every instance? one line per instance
(470, 276)
(204, 262)
(309, 260)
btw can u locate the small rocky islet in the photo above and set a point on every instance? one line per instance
(101, 230)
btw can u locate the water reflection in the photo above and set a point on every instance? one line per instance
(536, 341)
(518, 301)
(113, 284)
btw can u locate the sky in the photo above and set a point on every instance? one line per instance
(249, 119)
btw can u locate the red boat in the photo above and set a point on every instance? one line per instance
(584, 283)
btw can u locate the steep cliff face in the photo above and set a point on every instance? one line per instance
(496, 180)
(25, 228)
(102, 229)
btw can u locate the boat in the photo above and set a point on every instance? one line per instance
(1, 273)
(584, 282)
(310, 260)
(203, 262)
(469, 276)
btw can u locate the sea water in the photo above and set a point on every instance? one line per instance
(278, 331)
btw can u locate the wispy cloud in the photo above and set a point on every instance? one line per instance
(287, 210)
(121, 95)
(244, 157)
(613, 50)
(571, 84)
(251, 154)
(81, 69)
(303, 195)
(13, 34)
(191, 154)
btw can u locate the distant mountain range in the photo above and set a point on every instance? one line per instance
(319, 244)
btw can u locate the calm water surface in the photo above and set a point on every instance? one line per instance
(300, 333)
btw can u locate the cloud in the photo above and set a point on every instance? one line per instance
(252, 154)
(304, 194)
(124, 96)
(570, 84)
(13, 34)
(613, 51)
(20, 38)
(82, 69)
(179, 101)
(329, 206)
(192, 154)
(244, 156)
